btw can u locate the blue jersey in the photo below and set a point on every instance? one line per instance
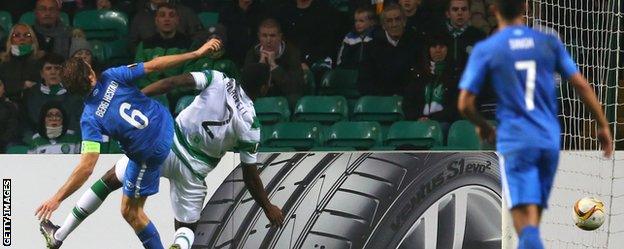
(118, 109)
(521, 63)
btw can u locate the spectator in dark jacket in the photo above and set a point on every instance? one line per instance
(312, 26)
(461, 34)
(393, 52)
(356, 43)
(19, 64)
(241, 17)
(9, 124)
(417, 17)
(432, 92)
(284, 60)
(53, 35)
(143, 26)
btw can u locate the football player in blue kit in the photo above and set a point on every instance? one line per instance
(520, 63)
(115, 107)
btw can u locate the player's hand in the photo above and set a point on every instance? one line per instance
(606, 142)
(275, 215)
(45, 210)
(487, 133)
(212, 45)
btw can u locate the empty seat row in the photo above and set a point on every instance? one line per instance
(365, 135)
(330, 109)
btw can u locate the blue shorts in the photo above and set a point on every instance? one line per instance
(142, 178)
(527, 175)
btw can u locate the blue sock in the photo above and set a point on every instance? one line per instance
(150, 237)
(530, 238)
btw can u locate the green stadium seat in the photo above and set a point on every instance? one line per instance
(99, 50)
(183, 102)
(379, 108)
(271, 110)
(308, 75)
(6, 23)
(323, 109)
(102, 25)
(208, 18)
(17, 149)
(298, 135)
(359, 135)
(29, 18)
(415, 135)
(275, 149)
(332, 149)
(117, 52)
(462, 136)
(340, 82)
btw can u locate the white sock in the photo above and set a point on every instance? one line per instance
(88, 203)
(184, 237)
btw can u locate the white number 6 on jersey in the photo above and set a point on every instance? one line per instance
(133, 115)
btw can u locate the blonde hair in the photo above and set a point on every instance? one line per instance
(36, 52)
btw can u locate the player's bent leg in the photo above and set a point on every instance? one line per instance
(526, 221)
(132, 211)
(88, 203)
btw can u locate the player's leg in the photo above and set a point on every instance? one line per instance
(521, 183)
(140, 181)
(187, 193)
(88, 203)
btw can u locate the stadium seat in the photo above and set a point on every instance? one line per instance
(99, 50)
(310, 82)
(17, 149)
(6, 23)
(271, 110)
(117, 52)
(359, 135)
(208, 18)
(183, 103)
(377, 108)
(462, 136)
(298, 135)
(340, 82)
(105, 25)
(29, 18)
(323, 109)
(415, 135)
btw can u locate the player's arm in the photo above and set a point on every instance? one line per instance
(579, 82)
(467, 107)
(165, 62)
(256, 189)
(81, 173)
(167, 84)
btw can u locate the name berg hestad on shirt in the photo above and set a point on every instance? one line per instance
(108, 97)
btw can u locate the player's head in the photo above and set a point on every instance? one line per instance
(78, 76)
(255, 79)
(508, 10)
(52, 120)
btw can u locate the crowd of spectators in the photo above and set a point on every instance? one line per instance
(412, 48)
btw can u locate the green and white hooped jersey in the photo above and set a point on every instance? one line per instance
(69, 143)
(219, 119)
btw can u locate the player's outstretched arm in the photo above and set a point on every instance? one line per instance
(466, 106)
(256, 189)
(167, 84)
(165, 62)
(579, 82)
(77, 178)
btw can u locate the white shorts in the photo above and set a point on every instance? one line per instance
(187, 192)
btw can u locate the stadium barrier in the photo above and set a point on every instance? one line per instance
(330, 200)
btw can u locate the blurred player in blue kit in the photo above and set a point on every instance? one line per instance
(115, 107)
(520, 63)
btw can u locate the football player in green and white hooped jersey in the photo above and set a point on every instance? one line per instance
(220, 118)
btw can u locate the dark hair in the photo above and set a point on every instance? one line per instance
(51, 58)
(42, 115)
(437, 39)
(254, 76)
(510, 9)
(448, 4)
(75, 75)
(270, 23)
(166, 5)
(365, 9)
(390, 7)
